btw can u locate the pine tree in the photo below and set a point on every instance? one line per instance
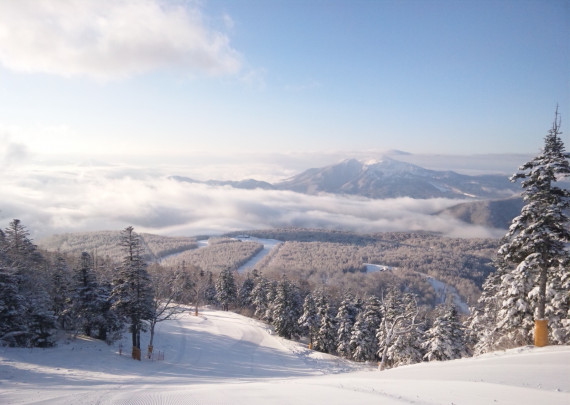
(210, 290)
(309, 320)
(259, 297)
(244, 294)
(514, 322)
(481, 326)
(86, 303)
(286, 309)
(20, 251)
(558, 305)
(22, 263)
(325, 340)
(271, 294)
(363, 342)
(13, 328)
(41, 321)
(345, 319)
(108, 322)
(60, 293)
(132, 293)
(445, 339)
(535, 251)
(226, 290)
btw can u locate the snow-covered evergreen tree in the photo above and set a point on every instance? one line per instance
(309, 320)
(108, 322)
(60, 292)
(398, 335)
(41, 320)
(21, 262)
(363, 342)
(558, 305)
(445, 340)
(287, 309)
(325, 339)
(481, 326)
(86, 303)
(244, 294)
(345, 319)
(515, 316)
(226, 289)
(532, 260)
(13, 327)
(406, 348)
(20, 251)
(132, 293)
(271, 294)
(210, 290)
(259, 297)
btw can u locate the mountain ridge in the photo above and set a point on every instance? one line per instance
(382, 179)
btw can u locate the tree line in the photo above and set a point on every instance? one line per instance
(392, 329)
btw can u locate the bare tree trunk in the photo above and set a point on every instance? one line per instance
(384, 353)
(152, 325)
(134, 334)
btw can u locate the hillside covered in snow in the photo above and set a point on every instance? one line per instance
(224, 358)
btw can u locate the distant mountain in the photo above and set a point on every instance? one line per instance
(493, 213)
(249, 184)
(389, 178)
(386, 178)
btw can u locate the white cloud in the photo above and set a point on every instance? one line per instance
(106, 39)
(80, 198)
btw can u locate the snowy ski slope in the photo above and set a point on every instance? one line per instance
(224, 358)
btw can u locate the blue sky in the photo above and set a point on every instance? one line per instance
(175, 78)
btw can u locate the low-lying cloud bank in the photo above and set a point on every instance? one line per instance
(52, 200)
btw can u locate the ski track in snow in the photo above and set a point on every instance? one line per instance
(268, 246)
(224, 358)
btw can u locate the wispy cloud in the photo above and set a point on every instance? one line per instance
(108, 39)
(106, 197)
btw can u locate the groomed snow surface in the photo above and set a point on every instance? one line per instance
(224, 358)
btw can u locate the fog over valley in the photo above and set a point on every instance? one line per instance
(85, 195)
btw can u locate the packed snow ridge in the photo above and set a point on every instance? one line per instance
(221, 357)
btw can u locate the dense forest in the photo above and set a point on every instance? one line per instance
(335, 258)
(217, 255)
(106, 244)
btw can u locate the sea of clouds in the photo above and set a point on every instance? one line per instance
(52, 197)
